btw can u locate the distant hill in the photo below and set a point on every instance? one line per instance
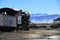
(43, 18)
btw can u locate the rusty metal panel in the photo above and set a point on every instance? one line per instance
(7, 20)
(19, 19)
(1, 20)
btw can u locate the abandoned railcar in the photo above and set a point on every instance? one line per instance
(7, 17)
(10, 19)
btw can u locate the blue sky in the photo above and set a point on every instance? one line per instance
(33, 6)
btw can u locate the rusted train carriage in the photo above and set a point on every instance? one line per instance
(10, 19)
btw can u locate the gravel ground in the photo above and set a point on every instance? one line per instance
(33, 34)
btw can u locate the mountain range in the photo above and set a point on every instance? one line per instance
(43, 18)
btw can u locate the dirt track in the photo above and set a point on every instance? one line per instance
(27, 35)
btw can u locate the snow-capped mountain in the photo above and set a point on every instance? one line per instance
(43, 18)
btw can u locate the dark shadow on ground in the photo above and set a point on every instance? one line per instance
(7, 29)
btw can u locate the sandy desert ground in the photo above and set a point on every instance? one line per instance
(32, 34)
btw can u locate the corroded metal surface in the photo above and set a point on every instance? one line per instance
(7, 20)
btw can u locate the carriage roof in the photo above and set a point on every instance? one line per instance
(9, 10)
